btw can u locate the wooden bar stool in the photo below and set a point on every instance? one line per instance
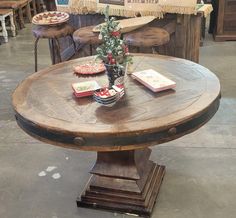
(25, 5)
(4, 13)
(33, 8)
(39, 6)
(17, 12)
(147, 37)
(85, 35)
(53, 33)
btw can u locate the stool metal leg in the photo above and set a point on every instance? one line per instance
(138, 49)
(36, 54)
(154, 50)
(58, 48)
(73, 42)
(52, 46)
(91, 49)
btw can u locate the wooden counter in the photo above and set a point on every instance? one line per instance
(183, 26)
(184, 31)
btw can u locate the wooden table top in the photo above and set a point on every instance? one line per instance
(46, 108)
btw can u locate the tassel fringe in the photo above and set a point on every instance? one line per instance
(179, 9)
(91, 6)
(206, 9)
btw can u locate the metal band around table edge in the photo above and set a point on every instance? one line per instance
(76, 142)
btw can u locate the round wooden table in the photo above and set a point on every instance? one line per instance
(123, 178)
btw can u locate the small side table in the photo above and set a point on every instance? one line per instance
(3, 14)
(53, 33)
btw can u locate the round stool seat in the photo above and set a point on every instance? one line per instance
(9, 4)
(147, 37)
(23, 2)
(52, 31)
(85, 35)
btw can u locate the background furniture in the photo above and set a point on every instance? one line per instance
(225, 25)
(33, 7)
(147, 37)
(17, 12)
(4, 13)
(86, 36)
(21, 9)
(25, 5)
(50, 5)
(123, 178)
(52, 33)
(184, 31)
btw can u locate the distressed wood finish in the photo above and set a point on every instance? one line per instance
(86, 35)
(125, 181)
(147, 37)
(140, 116)
(182, 28)
(225, 28)
(123, 178)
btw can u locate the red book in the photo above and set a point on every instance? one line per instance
(86, 88)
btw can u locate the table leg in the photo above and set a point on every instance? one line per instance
(34, 7)
(123, 181)
(28, 12)
(21, 18)
(13, 27)
(4, 30)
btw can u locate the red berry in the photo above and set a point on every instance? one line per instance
(113, 61)
(126, 49)
(115, 33)
(109, 56)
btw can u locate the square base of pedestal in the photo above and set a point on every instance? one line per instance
(125, 202)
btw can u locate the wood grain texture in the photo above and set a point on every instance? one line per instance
(47, 110)
(56, 31)
(226, 20)
(86, 35)
(123, 181)
(147, 37)
(172, 23)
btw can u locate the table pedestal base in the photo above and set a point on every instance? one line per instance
(123, 181)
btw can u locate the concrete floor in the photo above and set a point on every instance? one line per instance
(200, 181)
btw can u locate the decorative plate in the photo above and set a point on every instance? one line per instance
(109, 96)
(128, 25)
(89, 68)
(50, 18)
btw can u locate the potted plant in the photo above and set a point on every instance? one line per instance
(113, 51)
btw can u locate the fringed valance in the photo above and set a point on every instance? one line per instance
(130, 8)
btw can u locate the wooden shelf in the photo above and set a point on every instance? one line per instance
(226, 21)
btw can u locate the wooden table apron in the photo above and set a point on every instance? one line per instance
(124, 179)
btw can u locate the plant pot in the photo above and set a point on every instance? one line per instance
(116, 74)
